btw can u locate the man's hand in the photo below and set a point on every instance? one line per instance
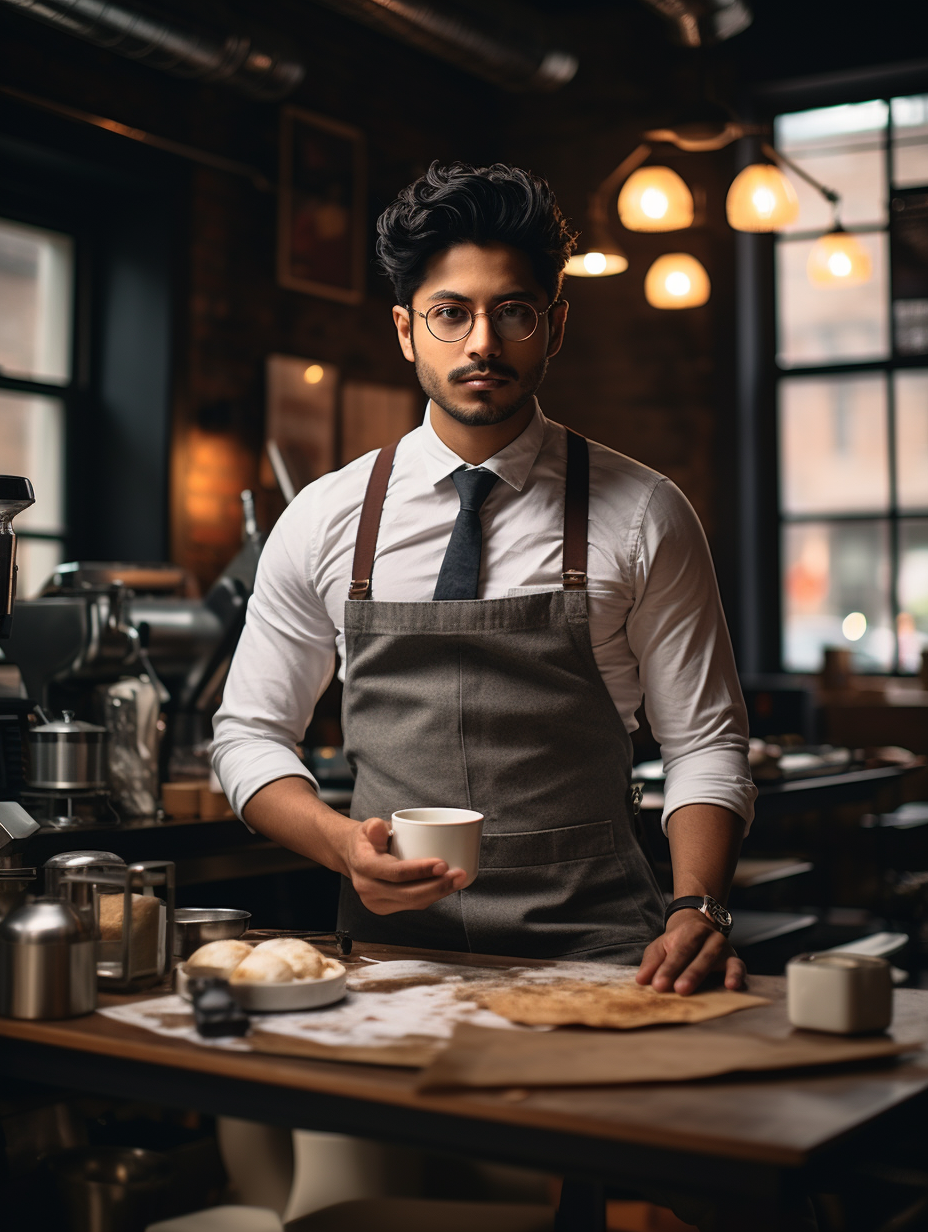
(687, 951)
(385, 884)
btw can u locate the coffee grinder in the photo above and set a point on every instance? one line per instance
(16, 825)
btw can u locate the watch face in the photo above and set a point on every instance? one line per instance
(718, 914)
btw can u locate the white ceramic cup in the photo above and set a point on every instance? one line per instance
(449, 834)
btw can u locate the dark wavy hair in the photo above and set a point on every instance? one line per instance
(458, 204)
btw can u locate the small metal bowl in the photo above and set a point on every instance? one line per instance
(194, 926)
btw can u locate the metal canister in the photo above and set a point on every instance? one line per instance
(68, 754)
(47, 962)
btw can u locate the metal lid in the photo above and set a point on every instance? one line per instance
(67, 723)
(16, 488)
(85, 859)
(44, 921)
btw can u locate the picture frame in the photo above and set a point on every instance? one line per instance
(321, 207)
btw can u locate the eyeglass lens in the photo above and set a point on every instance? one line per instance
(513, 321)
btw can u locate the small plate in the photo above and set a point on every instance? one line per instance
(268, 998)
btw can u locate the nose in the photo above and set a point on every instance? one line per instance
(483, 341)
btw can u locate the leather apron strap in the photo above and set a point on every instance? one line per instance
(576, 517)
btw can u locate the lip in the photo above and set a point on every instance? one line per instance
(484, 382)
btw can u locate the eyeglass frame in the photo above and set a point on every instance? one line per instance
(474, 315)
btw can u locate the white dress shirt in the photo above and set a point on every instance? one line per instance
(656, 621)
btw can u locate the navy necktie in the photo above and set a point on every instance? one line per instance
(460, 570)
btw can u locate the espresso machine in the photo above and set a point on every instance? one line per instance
(98, 629)
(16, 825)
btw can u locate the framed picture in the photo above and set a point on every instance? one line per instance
(300, 422)
(320, 243)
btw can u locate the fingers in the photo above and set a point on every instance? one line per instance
(683, 957)
(385, 898)
(386, 884)
(653, 957)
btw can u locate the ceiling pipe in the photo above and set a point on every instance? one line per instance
(256, 68)
(493, 39)
(699, 23)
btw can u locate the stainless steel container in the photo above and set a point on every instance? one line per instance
(109, 1189)
(48, 965)
(195, 926)
(60, 868)
(68, 754)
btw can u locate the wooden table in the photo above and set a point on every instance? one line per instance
(758, 1138)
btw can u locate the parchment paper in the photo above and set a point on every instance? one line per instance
(481, 1057)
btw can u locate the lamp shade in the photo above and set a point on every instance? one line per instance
(838, 260)
(597, 264)
(655, 199)
(761, 198)
(676, 280)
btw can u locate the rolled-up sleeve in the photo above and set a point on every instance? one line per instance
(284, 661)
(677, 632)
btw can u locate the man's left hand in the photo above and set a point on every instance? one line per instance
(686, 952)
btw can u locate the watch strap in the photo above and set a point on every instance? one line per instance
(705, 905)
(697, 901)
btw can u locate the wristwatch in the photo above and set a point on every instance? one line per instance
(717, 915)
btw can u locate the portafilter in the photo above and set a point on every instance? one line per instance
(16, 494)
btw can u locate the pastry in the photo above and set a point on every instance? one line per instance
(223, 956)
(266, 968)
(305, 959)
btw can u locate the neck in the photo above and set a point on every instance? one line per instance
(475, 444)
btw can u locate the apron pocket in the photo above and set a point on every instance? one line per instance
(525, 849)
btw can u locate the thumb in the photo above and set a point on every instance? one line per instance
(377, 833)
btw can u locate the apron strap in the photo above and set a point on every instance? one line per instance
(576, 517)
(369, 525)
(576, 512)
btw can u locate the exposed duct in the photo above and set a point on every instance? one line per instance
(254, 67)
(697, 23)
(493, 39)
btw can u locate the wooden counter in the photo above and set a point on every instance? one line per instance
(757, 1137)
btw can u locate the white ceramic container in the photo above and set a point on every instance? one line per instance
(449, 834)
(262, 998)
(844, 993)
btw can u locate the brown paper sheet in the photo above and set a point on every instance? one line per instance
(414, 1052)
(482, 1057)
(562, 1002)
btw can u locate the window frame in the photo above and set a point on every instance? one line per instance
(758, 628)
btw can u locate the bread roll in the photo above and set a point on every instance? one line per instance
(146, 927)
(305, 959)
(266, 968)
(222, 956)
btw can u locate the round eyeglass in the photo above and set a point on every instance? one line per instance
(513, 320)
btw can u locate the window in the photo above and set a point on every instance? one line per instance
(852, 392)
(36, 329)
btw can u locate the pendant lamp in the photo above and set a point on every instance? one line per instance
(655, 199)
(761, 198)
(597, 263)
(676, 280)
(838, 260)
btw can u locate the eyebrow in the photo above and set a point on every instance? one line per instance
(458, 298)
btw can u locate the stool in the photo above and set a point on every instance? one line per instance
(222, 1219)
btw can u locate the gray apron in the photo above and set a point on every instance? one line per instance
(498, 705)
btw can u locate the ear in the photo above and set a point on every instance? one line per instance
(404, 331)
(558, 322)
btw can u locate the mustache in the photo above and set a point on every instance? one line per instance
(487, 369)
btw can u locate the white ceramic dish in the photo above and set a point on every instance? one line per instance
(270, 998)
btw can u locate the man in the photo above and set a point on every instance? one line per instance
(497, 623)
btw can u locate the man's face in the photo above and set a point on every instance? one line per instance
(482, 379)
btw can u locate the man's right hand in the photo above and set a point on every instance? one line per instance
(385, 884)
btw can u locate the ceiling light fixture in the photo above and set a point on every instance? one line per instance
(838, 260)
(761, 198)
(655, 199)
(676, 280)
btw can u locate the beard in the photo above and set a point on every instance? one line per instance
(486, 413)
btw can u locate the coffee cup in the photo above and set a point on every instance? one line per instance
(449, 834)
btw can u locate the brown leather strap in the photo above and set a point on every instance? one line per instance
(369, 525)
(576, 511)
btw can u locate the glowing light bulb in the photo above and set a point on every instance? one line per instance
(838, 260)
(677, 283)
(654, 203)
(854, 626)
(595, 262)
(761, 198)
(655, 199)
(676, 280)
(314, 374)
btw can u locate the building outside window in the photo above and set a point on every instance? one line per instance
(852, 392)
(36, 346)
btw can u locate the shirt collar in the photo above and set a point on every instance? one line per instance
(512, 464)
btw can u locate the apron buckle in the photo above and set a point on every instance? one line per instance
(636, 791)
(574, 579)
(359, 588)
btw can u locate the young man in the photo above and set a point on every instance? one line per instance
(506, 598)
